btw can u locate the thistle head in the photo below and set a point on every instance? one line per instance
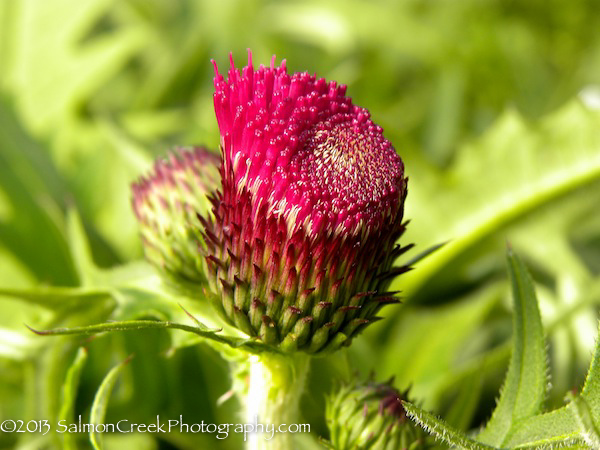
(167, 202)
(301, 246)
(370, 415)
(305, 153)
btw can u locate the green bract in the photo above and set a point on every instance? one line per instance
(370, 415)
(167, 204)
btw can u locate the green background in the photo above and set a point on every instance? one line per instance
(494, 107)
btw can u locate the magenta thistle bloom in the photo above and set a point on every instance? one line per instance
(301, 246)
(167, 204)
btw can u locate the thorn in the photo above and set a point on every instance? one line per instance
(196, 321)
(394, 272)
(38, 332)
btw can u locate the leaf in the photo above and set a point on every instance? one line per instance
(249, 345)
(557, 428)
(69, 394)
(546, 239)
(591, 388)
(582, 412)
(514, 169)
(440, 429)
(101, 402)
(524, 388)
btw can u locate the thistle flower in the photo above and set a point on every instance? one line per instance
(300, 249)
(167, 203)
(370, 415)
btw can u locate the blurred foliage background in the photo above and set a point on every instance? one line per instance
(493, 105)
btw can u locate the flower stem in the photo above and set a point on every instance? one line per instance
(276, 384)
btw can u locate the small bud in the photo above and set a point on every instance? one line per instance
(167, 204)
(371, 416)
(309, 210)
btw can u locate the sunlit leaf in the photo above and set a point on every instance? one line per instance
(508, 173)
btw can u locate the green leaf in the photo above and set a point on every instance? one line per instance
(524, 388)
(252, 346)
(69, 394)
(582, 412)
(591, 388)
(101, 402)
(554, 429)
(514, 169)
(440, 429)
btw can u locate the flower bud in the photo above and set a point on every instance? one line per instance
(167, 204)
(371, 416)
(301, 243)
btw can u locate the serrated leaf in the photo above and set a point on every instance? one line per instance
(440, 429)
(101, 403)
(511, 171)
(524, 388)
(69, 394)
(591, 388)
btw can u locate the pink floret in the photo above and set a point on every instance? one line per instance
(300, 147)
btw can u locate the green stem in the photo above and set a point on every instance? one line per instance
(276, 383)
